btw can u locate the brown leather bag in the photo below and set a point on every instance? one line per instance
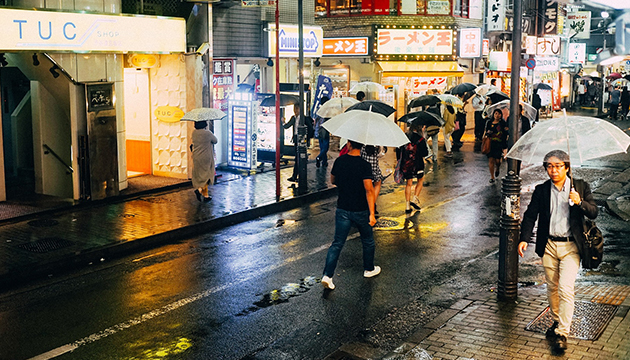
(485, 145)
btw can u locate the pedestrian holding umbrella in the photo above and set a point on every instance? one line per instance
(366, 87)
(373, 106)
(463, 88)
(204, 114)
(336, 106)
(542, 86)
(366, 127)
(614, 76)
(448, 99)
(422, 118)
(504, 106)
(485, 89)
(285, 100)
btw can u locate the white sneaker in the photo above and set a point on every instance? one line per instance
(327, 282)
(369, 274)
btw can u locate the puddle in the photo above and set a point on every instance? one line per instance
(282, 295)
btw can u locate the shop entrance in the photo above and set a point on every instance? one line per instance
(137, 122)
(17, 133)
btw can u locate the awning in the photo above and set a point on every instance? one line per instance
(421, 68)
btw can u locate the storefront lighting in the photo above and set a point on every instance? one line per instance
(605, 14)
(317, 62)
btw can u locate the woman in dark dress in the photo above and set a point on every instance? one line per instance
(497, 131)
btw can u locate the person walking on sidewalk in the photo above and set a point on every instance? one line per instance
(355, 206)
(370, 153)
(449, 127)
(202, 148)
(615, 99)
(412, 156)
(323, 137)
(625, 102)
(294, 122)
(560, 205)
(497, 131)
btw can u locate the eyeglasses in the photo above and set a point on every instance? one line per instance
(554, 167)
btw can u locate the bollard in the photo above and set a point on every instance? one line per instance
(509, 236)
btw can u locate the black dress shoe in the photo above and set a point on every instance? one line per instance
(207, 199)
(292, 179)
(198, 194)
(317, 162)
(561, 343)
(551, 332)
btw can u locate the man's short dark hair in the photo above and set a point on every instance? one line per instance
(355, 145)
(201, 124)
(360, 95)
(560, 155)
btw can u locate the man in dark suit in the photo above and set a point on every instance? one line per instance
(560, 205)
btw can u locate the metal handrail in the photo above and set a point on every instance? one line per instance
(68, 167)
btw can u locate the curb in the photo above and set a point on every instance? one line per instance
(118, 249)
(611, 205)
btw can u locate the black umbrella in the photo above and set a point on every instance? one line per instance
(461, 89)
(591, 78)
(424, 100)
(373, 106)
(497, 96)
(422, 118)
(627, 77)
(285, 100)
(542, 86)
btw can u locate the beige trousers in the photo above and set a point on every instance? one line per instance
(561, 262)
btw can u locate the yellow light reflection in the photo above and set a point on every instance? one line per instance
(174, 347)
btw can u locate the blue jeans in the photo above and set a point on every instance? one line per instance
(324, 143)
(343, 221)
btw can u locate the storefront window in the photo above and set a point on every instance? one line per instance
(460, 8)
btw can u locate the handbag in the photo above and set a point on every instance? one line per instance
(456, 125)
(485, 145)
(593, 247)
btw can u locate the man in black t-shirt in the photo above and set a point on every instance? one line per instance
(355, 206)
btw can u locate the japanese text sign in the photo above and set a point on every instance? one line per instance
(485, 47)
(422, 84)
(550, 16)
(579, 23)
(531, 45)
(222, 82)
(414, 42)
(496, 15)
(345, 46)
(577, 53)
(547, 63)
(470, 43)
(438, 7)
(548, 46)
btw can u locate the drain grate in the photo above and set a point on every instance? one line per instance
(589, 320)
(386, 223)
(45, 245)
(43, 223)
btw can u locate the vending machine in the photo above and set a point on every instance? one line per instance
(242, 131)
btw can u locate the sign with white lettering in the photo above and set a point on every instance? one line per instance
(550, 17)
(414, 42)
(496, 15)
(345, 46)
(289, 41)
(223, 83)
(63, 31)
(470, 43)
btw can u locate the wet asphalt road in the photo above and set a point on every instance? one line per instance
(251, 291)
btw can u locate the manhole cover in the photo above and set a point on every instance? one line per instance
(385, 223)
(589, 320)
(43, 223)
(45, 245)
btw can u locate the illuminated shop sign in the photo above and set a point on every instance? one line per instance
(289, 41)
(62, 31)
(415, 43)
(242, 127)
(346, 46)
(470, 44)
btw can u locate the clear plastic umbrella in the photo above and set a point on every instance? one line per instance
(366, 86)
(204, 114)
(504, 106)
(451, 100)
(583, 138)
(366, 127)
(335, 106)
(485, 89)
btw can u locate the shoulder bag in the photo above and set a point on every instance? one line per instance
(593, 249)
(485, 142)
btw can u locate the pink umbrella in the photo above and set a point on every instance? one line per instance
(614, 75)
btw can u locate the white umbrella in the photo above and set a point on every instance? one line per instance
(504, 106)
(204, 114)
(451, 100)
(485, 89)
(583, 138)
(335, 106)
(366, 127)
(366, 86)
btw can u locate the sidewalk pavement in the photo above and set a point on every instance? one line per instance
(62, 239)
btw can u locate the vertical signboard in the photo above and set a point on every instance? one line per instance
(470, 43)
(577, 53)
(475, 9)
(550, 17)
(496, 15)
(223, 83)
(241, 138)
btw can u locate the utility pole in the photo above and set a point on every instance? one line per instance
(511, 186)
(278, 121)
(301, 155)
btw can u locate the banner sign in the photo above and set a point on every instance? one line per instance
(414, 41)
(223, 84)
(62, 31)
(289, 41)
(345, 46)
(470, 43)
(548, 46)
(550, 16)
(485, 47)
(496, 15)
(324, 88)
(577, 53)
(579, 24)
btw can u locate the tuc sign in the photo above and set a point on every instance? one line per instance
(289, 41)
(63, 31)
